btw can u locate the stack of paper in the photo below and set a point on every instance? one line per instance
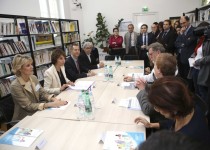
(82, 85)
(130, 103)
(119, 140)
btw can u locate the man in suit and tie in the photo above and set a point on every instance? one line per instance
(143, 40)
(72, 65)
(168, 37)
(185, 45)
(155, 29)
(130, 39)
(87, 60)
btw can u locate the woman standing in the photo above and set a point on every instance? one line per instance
(26, 91)
(55, 79)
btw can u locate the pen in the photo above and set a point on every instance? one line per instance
(129, 104)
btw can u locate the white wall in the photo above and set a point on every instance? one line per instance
(116, 9)
(20, 7)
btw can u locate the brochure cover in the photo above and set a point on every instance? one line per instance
(21, 137)
(119, 140)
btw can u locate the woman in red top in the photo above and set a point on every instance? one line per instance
(115, 43)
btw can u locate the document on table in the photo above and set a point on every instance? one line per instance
(135, 75)
(130, 103)
(61, 107)
(82, 85)
(191, 61)
(128, 85)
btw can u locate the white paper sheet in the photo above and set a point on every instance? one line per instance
(82, 85)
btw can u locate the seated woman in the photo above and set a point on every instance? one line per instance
(55, 79)
(26, 91)
(115, 43)
(165, 65)
(171, 97)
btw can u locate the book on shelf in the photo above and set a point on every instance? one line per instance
(4, 87)
(9, 47)
(42, 57)
(21, 137)
(55, 26)
(7, 28)
(120, 140)
(23, 28)
(69, 26)
(32, 27)
(40, 72)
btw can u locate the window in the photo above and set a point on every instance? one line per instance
(51, 8)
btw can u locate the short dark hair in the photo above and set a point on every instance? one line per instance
(115, 29)
(144, 25)
(171, 94)
(156, 23)
(169, 140)
(169, 21)
(56, 54)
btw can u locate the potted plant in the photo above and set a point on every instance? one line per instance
(102, 33)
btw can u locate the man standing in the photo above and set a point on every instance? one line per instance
(167, 37)
(155, 29)
(73, 67)
(87, 60)
(185, 44)
(130, 39)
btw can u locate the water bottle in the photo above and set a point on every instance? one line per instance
(88, 106)
(106, 73)
(115, 60)
(119, 60)
(92, 101)
(81, 107)
(110, 73)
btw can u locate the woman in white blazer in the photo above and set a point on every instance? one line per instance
(55, 79)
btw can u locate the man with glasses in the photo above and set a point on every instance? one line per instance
(185, 45)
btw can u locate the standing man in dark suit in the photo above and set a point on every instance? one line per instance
(155, 30)
(87, 60)
(73, 67)
(168, 37)
(143, 40)
(130, 39)
(185, 45)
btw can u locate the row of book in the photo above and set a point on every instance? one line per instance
(69, 26)
(9, 47)
(5, 67)
(43, 27)
(71, 37)
(8, 28)
(42, 57)
(4, 87)
(40, 72)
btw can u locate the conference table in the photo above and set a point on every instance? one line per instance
(62, 129)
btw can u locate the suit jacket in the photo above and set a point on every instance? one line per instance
(151, 39)
(52, 82)
(85, 63)
(168, 41)
(156, 33)
(126, 41)
(71, 70)
(186, 43)
(27, 98)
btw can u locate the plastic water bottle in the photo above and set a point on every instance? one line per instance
(92, 101)
(88, 106)
(119, 60)
(81, 107)
(110, 73)
(115, 60)
(106, 73)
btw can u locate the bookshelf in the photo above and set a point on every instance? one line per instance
(36, 37)
(69, 34)
(14, 39)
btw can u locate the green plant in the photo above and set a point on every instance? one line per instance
(102, 33)
(119, 22)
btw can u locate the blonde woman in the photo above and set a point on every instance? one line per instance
(55, 80)
(26, 91)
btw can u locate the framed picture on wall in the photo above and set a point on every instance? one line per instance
(174, 19)
(124, 26)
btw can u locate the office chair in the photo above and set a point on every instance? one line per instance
(131, 57)
(6, 113)
(109, 57)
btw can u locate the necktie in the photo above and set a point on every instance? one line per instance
(164, 34)
(145, 39)
(130, 41)
(77, 65)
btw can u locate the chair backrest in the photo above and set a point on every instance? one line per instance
(201, 104)
(109, 57)
(131, 57)
(6, 109)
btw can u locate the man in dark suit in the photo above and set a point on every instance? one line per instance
(143, 40)
(73, 67)
(155, 30)
(168, 37)
(185, 45)
(87, 60)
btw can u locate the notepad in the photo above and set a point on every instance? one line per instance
(119, 140)
(130, 103)
(21, 137)
(82, 85)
